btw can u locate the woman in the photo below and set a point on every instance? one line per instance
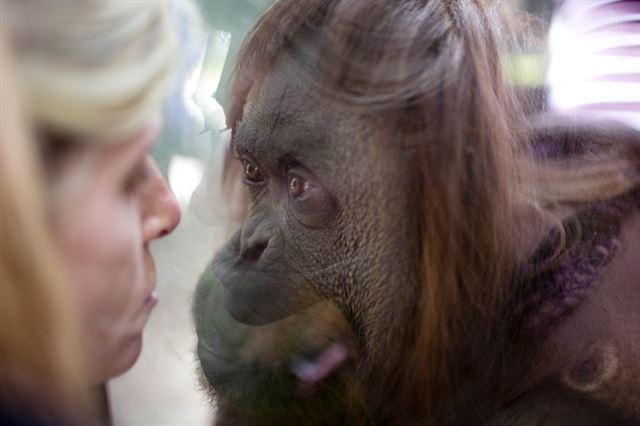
(40, 356)
(94, 76)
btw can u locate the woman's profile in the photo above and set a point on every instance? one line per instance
(93, 77)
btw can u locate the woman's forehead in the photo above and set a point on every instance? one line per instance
(145, 134)
(118, 156)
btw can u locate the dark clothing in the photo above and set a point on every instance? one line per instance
(22, 417)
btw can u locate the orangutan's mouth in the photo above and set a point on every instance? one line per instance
(328, 363)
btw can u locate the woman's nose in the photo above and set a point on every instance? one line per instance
(160, 209)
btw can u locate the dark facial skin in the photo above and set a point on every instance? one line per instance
(330, 210)
(270, 267)
(325, 202)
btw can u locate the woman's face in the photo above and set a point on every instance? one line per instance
(111, 202)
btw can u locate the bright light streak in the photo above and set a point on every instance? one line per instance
(185, 174)
(202, 83)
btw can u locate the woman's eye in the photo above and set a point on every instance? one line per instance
(136, 179)
(252, 174)
(298, 186)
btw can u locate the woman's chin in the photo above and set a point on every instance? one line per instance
(119, 362)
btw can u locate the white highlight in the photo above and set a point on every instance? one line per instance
(579, 58)
(185, 174)
(203, 82)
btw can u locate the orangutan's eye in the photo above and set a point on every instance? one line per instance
(299, 187)
(252, 174)
(308, 200)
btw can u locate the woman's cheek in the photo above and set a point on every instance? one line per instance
(123, 261)
(106, 255)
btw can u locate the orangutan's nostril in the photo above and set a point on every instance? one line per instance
(254, 250)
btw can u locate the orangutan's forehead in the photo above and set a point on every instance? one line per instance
(289, 91)
(285, 112)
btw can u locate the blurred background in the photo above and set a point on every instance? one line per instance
(162, 388)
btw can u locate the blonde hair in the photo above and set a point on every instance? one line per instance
(96, 68)
(40, 353)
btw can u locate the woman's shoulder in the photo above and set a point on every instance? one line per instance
(28, 416)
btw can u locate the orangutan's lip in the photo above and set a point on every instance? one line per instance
(213, 362)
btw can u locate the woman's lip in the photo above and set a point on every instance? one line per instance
(152, 299)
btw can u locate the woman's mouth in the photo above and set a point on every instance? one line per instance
(152, 299)
(150, 269)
